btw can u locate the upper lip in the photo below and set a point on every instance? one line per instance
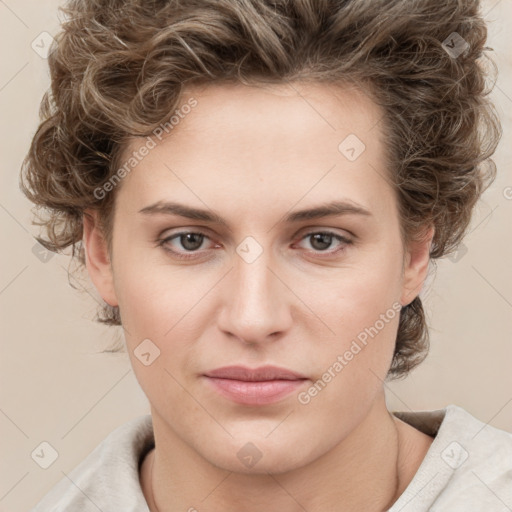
(256, 374)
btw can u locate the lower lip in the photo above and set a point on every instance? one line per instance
(255, 393)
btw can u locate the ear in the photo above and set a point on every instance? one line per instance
(97, 259)
(416, 260)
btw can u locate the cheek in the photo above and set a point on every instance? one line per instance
(141, 303)
(156, 306)
(352, 369)
(362, 308)
(166, 305)
(354, 298)
(148, 291)
(352, 363)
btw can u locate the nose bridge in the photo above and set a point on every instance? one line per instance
(255, 306)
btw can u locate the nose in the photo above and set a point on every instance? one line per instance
(256, 306)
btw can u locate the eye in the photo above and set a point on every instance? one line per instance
(191, 242)
(185, 241)
(320, 241)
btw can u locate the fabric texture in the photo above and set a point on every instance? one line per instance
(467, 467)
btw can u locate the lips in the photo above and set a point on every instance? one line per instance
(254, 375)
(259, 386)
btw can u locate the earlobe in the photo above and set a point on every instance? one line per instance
(416, 265)
(97, 259)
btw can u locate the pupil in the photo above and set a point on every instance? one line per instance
(185, 241)
(324, 239)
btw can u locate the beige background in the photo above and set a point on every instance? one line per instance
(56, 385)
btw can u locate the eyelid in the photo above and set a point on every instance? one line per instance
(344, 233)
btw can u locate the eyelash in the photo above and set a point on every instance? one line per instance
(192, 254)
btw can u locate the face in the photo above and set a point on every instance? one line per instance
(250, 281)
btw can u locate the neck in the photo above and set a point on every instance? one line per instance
(365, 471)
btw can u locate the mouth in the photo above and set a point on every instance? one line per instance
(260, 386)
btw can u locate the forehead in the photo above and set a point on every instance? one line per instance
(262, 144)
(258, 113)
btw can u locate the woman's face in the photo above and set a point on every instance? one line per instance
(317, 295)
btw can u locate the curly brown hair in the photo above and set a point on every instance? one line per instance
(118, 68)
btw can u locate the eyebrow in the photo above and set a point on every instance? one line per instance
(325, 210)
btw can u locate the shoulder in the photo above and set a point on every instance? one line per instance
(468, 465)
(481, 457)
(108, 478)
(473, 445)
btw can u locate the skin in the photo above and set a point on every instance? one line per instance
(252, 155)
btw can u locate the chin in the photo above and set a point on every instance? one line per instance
(259, 455)
(274, 463)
